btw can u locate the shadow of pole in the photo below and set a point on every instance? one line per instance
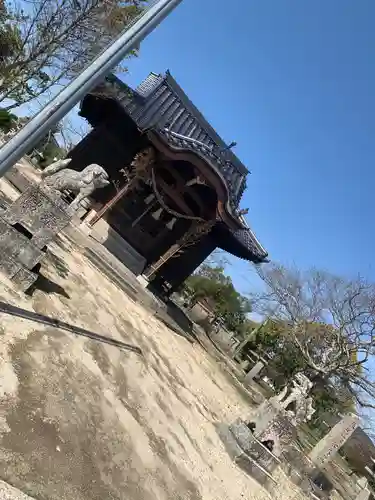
(46, 320)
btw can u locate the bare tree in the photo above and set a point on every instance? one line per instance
(218, 258)
(73, 129)
(47, 42)
(330, 319)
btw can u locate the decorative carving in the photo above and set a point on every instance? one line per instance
(309, 408)
(198, 180)
(298, 395)
(140, 167)
(143, 160)
(226, 168)
(301, 387)
(304, 411)
(44, 214)
(279, 397)
(56, 176)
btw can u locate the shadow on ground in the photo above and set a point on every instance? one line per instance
(59, 265)
(48, 286)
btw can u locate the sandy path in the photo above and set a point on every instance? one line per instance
(81, 420)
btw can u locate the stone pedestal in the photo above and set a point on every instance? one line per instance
(297, 465)
(248, 452)
(264, 416)
(281, 431)
(26, 227)
(41, 212)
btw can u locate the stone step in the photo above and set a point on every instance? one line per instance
(119, 247)
(104, 267)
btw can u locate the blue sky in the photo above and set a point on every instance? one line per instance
(293, 82)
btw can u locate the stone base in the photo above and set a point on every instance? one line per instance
(15, 242)
(142, 280)
(41, 211)
(26, 227)
(312, 491)
(296, 459)
(22, 277)
(306, 481)
(365, 494)
(253, 446)
(242, 434)
(264, 415)
(255, 470)
(242, 447)
(85, 228)
(19, 255)
(231, 445)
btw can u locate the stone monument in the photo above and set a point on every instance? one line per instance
(258, 444)
(38, 214)
(326, 449)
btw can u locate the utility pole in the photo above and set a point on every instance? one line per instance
(60, 105)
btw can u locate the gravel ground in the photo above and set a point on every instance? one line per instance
(82, 420)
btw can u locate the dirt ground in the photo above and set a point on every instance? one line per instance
(85, 421)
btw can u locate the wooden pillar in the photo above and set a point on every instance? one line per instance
(196, 231)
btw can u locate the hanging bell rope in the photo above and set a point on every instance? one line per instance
(166, 208)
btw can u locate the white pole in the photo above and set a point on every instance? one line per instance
(60, 105)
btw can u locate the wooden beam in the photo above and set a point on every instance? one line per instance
(176, 197)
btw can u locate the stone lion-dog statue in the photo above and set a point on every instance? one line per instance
(56, 176)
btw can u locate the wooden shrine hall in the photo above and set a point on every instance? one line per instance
(175, 185)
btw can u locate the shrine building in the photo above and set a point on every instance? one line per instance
(175, 185)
